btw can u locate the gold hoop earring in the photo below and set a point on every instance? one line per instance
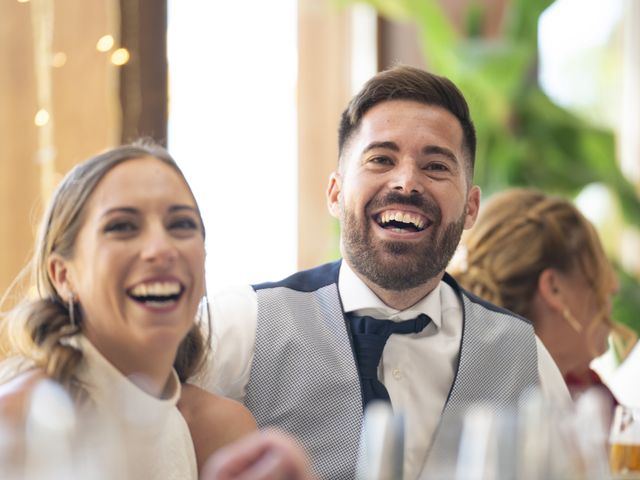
(571, 320)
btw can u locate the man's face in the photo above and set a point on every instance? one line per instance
(402, 194)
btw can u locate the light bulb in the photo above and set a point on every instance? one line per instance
(105, 43)
(120, 56)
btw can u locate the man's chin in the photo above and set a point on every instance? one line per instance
(393, 271)
(400, 250)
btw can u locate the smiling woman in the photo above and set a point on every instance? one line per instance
(119, 275)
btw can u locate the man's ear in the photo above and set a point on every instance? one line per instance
(58, 269)
(333, 194)
(550, 289)
(473, 206)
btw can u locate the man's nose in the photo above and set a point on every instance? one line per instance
(407, 177)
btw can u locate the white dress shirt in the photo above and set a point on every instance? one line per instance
(404, 360)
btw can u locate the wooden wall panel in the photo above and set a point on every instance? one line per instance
(85, 90)
(143, 80)
(85, 113)
(19, 172)
(323, 91)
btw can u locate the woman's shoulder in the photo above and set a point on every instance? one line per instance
(214, 421)
(197, 404)
(16, 393)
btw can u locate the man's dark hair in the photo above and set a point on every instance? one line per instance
(409, 83)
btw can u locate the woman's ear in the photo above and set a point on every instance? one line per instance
(58, 270)
(549, 289)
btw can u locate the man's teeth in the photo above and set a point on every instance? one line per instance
(403, 217)
(158, 289)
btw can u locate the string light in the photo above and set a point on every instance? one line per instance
(120, 56)
(59, 59)
(41, 118)
(23, 1)
(105, 43)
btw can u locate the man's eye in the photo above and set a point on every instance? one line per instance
(381, 160)
(120, 227)
(437, 167)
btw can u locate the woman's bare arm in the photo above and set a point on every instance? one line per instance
(213, 421)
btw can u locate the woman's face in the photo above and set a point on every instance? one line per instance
(138, 265)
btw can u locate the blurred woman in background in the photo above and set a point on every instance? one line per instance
(539, 257)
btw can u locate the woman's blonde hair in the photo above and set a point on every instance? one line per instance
(39, 328)
(520, 233)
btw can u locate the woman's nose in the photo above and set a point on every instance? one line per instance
(159, 247)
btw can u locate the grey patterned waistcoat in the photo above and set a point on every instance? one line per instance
(304, 378)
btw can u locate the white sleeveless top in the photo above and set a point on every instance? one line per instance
(122, 432)
(152, 434)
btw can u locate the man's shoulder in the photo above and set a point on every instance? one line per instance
(307, 280)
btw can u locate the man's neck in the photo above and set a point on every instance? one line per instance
(402, 299)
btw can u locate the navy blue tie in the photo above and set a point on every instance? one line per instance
(369, 337)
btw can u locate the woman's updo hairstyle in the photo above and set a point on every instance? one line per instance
(518, 234)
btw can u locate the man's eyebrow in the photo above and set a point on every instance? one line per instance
(386, 145)
(436, 150)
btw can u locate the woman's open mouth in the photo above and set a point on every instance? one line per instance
(156, 294)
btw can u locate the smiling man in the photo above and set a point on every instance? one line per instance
(403, 195)
(308, 353)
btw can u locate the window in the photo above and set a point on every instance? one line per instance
(232, 128)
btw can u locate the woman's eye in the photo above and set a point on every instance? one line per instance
(184, 224)
(120, 227)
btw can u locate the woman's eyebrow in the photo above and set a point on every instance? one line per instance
(130, 210)
(177, 208)
(134, 211)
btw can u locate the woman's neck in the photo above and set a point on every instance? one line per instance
(150, 369)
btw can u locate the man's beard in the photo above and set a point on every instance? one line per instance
(400, 265)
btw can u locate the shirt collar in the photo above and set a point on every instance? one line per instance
(358, 298)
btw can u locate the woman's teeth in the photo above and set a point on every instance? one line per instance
(157, 294)
(156, 289)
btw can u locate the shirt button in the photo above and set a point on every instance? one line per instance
(397, 374)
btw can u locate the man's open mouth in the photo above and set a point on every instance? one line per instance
(399, 221)
(156, 294)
